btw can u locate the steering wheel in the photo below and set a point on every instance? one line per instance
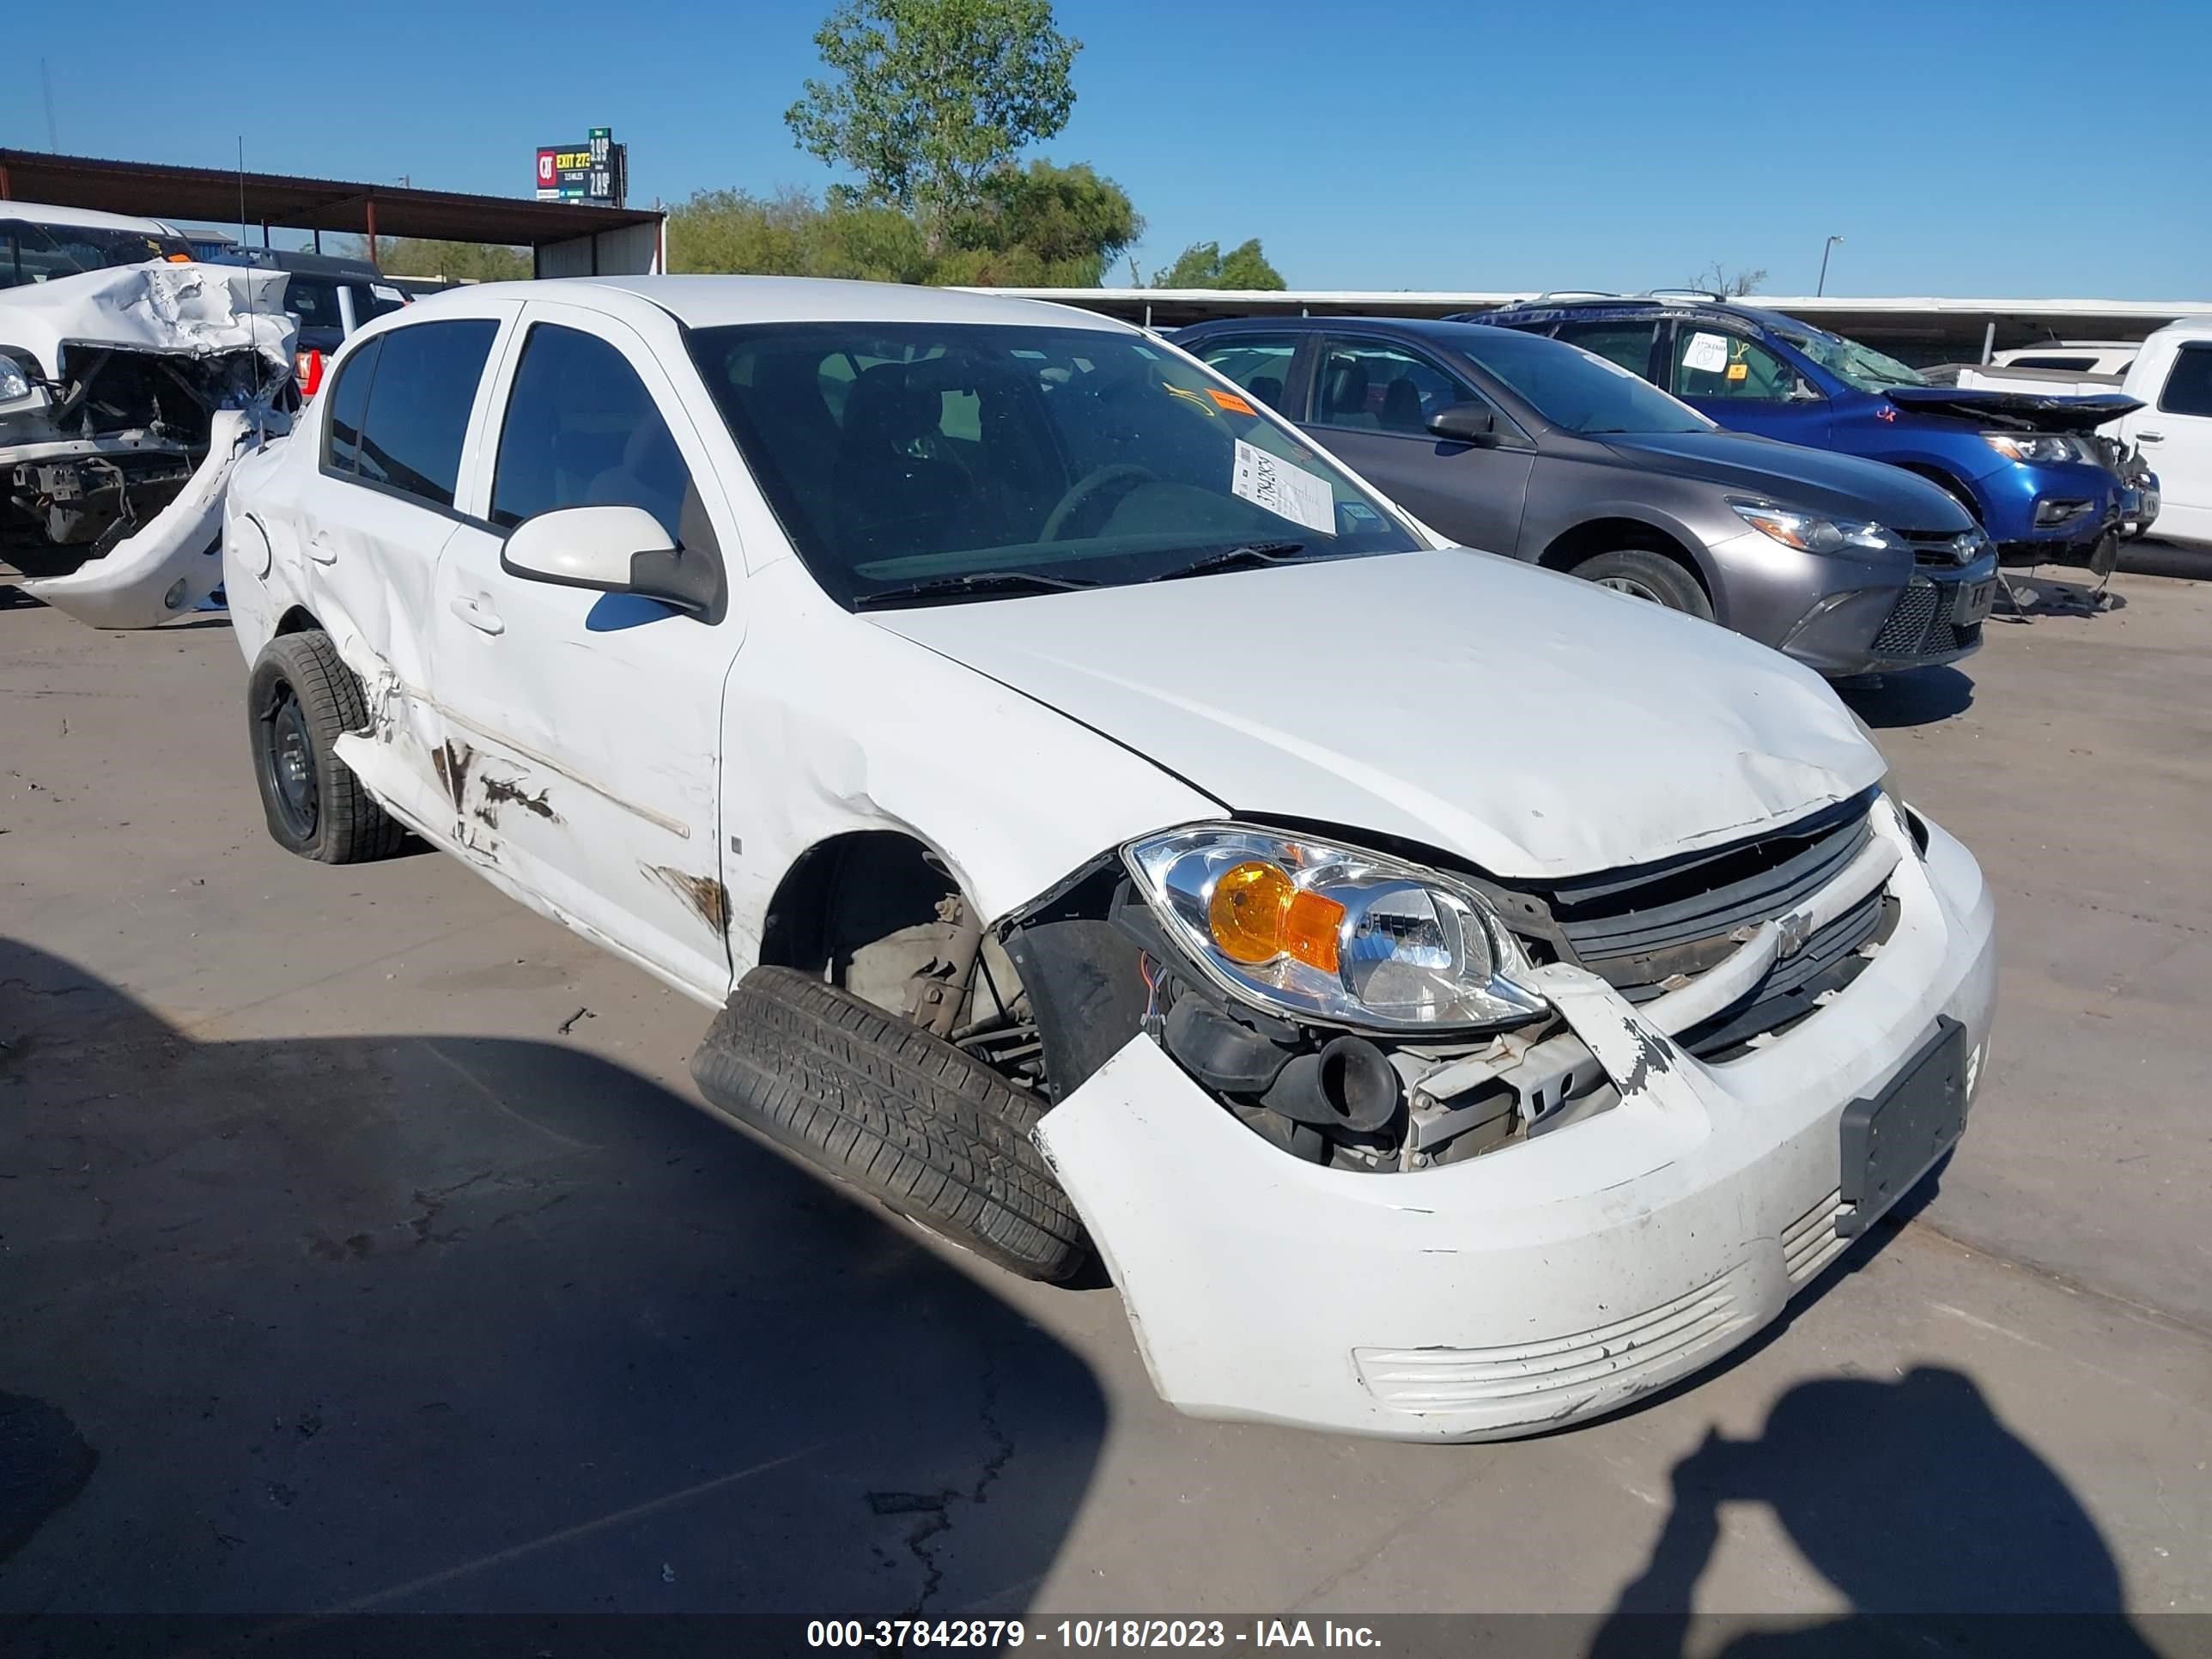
(1085, 488)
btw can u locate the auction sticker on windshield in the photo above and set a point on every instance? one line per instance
(1289, 492)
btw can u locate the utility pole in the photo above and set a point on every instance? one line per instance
(1822, 286)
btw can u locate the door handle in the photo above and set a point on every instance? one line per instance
(475, 615)
(2150, 437)
(322, 549)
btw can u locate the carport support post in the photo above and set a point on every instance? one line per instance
(1989, 340)
(371, 206)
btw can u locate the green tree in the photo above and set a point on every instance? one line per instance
(929, 98)
(474, 262)
(1041, 225)
(1203, 265)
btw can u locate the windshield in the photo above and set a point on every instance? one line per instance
(1860, 365)
(1575, 391)
(39, 254)
(916, 463)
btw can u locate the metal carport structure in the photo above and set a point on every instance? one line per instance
(566, 239)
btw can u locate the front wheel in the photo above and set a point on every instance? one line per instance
(1643, 574)
(300, 700)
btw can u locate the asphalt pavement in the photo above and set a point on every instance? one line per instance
(363, 1247)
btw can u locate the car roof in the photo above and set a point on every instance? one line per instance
(1446, 333)
(1633, 305)
(43, 213)
(719, 301)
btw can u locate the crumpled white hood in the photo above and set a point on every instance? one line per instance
(194, 309)
(1530, 722)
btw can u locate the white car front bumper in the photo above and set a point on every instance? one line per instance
(1547, 1281)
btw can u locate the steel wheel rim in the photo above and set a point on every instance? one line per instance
(1629, 586)
(288, 760)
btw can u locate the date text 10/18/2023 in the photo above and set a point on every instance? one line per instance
(1084, 1634)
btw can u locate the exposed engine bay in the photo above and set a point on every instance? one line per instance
(114, 388)
(1049, 995)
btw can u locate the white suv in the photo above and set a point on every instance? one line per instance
(1452, 998)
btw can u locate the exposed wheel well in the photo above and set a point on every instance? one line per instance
(298, 620)
(1587, 541)
(876, 912)
(848, 892)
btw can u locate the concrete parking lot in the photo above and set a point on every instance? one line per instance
(362, 1247)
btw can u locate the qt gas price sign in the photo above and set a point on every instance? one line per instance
(595, 171)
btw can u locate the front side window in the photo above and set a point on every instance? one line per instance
(1573, 390)
(1710, 363)
(1262, 368)
(1625, 343)
(419, 401)
(581, 430)
(1378, 388)
(2188, 389)
(960, 460)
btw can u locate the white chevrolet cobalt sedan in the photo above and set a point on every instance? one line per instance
(1450, 999)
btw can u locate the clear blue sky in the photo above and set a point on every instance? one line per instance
(2020, 149)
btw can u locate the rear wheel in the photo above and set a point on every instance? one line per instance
(299, 702)
(1643, 574)
(882, 1105)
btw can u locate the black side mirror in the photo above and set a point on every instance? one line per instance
(1467, 423)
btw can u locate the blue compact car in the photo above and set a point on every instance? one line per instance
(2045, 488)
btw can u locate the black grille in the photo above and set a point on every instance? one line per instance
(1647, 929)
(1919, 625)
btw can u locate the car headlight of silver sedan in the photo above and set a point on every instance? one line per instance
(1810, 534)
(1306, 927)
(14, 383)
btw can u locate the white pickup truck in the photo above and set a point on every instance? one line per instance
(2170, 377)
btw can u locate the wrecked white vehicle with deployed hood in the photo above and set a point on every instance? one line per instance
(131, 382)
(1451, 998)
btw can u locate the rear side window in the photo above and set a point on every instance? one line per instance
(315, 303)
(581, 430)
(2188, 388)
(1262, 368)
(1627, 343)
(348, 402)
(418, 406)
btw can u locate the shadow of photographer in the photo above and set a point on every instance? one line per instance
(1944, 1530)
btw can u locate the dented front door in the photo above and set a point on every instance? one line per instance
(581, 749)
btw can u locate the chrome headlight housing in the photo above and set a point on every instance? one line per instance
(1810, 534)
(14, 382)
(1306, 927)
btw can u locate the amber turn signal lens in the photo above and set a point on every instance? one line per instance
(1310, 926)
(1257, 915)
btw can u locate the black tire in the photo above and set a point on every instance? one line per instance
(1649, 576)
(882, 1105)
(301, 699)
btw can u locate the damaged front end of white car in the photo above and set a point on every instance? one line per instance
(1390, 1148)
(126, 397)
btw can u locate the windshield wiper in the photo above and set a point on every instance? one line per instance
(982, 584)
(1229, 558)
